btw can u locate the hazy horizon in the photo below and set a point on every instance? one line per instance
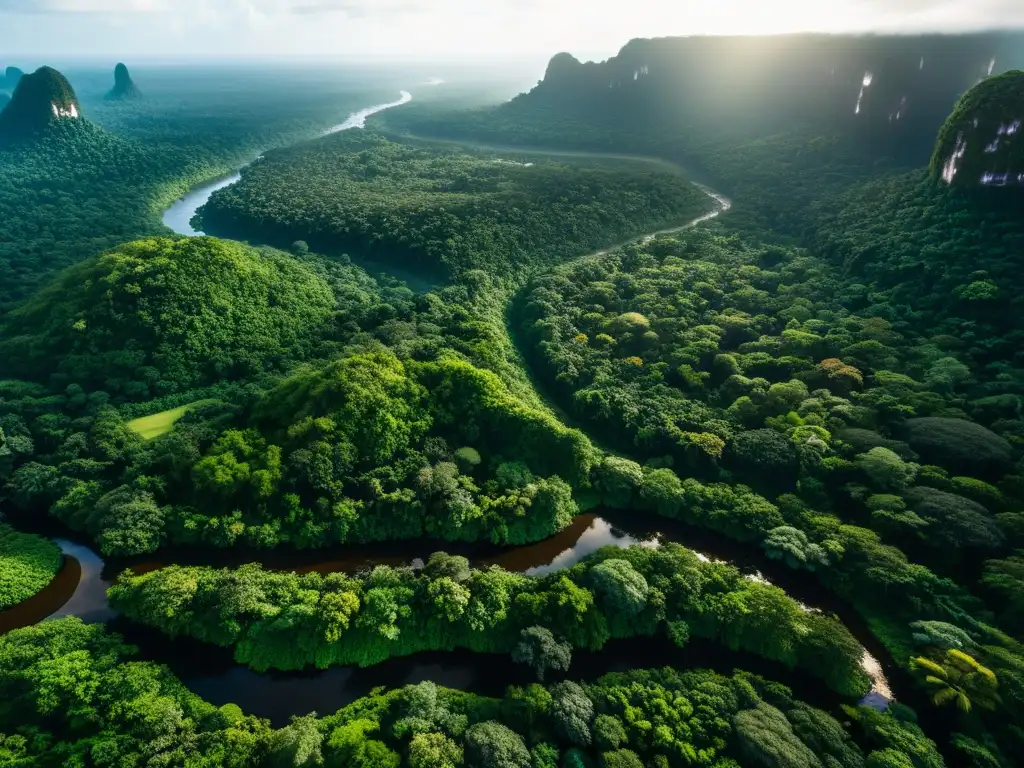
(449, 31)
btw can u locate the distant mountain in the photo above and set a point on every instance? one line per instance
(41, 99)
(124, 88)
(5, 99)
(982, 142)
(11, 77)
(890, 88)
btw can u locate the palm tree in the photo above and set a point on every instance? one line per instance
(960, 679)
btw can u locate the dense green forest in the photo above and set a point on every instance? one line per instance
(88, 185)
(828, 376)
(162, 316)
(77, 696)
(441, 211)
(27, 564)
(289, 621)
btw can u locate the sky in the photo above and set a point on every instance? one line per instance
(442, 29)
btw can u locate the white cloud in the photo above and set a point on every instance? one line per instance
(458, 28)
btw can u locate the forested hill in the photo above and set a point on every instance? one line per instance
(894, 92)
(913, 80)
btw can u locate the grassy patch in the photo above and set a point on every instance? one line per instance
(157, 424)
(27, 564)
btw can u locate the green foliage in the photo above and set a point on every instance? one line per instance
(792, 545)
(767, 738)
(899, 742)
(73, 689)
(609, 732)
(298, 744)
(572, 711)
(288, 621)
(538, 649)
(886, 470)
(975, 124)
(449, 211)
(492, 745)
(342, 452)
(434, 750)
(956, 522)
(957, 444)
(73, 685)
(1006, 578)
(958, 679)
(159, 316)
(942, 635)
(620, 587)
(27, 564)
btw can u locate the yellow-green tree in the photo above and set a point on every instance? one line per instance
(960, 679)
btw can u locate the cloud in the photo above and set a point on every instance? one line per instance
(83, 6)
(353, 8)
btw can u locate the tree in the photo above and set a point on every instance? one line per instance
(764, 453)
(572, 711)
(609, 733)
(793, 547)
(544, 755)
(958, 679)
(956, 522)
(942, 635)
(620, 586)
(886, 470)
(766, 738)
(1006, 578)
(618, 479)
(434, 750)
(959, 445)
(492, 745)
(538, 649)
(297, 745)
(621, 758)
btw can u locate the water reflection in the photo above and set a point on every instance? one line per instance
(212, 673)
(78, 589)
(89, 599)
(178, 216)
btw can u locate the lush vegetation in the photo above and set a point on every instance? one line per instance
(830, 376)
(980, 143)
(27, 564)
(867, 389)
(72, 694)
(40, 100)
(365, 448)
(288, 621)
(160, 316)
(82, 187)
(443, 211)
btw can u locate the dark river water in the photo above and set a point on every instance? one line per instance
(80, 590)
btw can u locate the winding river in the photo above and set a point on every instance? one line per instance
(80, 590)
(179, 216)
(80, 587)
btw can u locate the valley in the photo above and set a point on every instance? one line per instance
(495, 434)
